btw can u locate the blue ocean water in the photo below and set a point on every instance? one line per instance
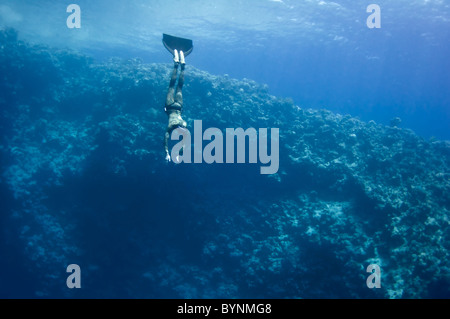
(319, 53)
(84, 179)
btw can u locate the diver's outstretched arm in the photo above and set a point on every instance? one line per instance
(166, 145)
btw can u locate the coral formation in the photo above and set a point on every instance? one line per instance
(84, 181)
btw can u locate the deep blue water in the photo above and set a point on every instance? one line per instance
(83, 179)
(319, 53)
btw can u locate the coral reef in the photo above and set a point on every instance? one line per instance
(84, 181)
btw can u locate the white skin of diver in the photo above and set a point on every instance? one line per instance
(174, 101)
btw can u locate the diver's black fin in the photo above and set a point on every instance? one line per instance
(171, 43)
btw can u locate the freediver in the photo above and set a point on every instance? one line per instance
(174, 100)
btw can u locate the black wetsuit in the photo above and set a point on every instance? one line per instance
(174, 105)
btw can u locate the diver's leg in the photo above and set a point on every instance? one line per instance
(179, 95)
(170, 99)
(175, 56)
